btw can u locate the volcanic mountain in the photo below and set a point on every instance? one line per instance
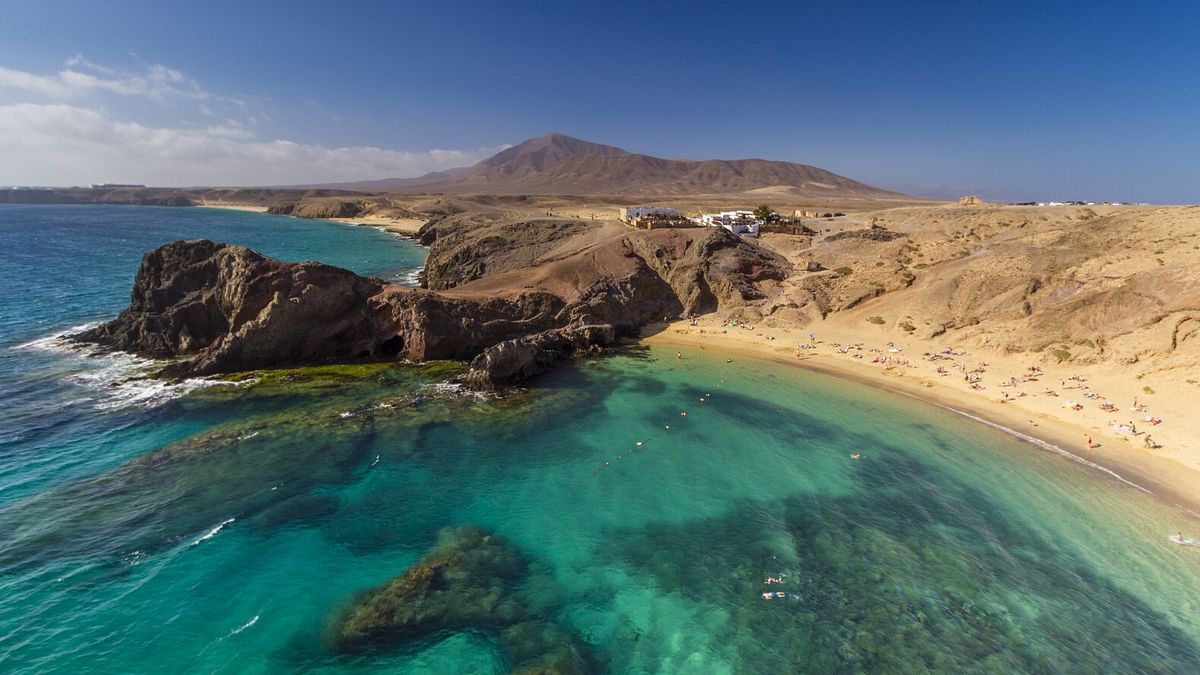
(558, 164)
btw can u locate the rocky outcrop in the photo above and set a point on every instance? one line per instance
(536, 294)
(467, 251)
(133, 196)
(236, 309)
(327, 207)
(470, 581)
(227, 308)
(526, 357)
(690, 271)
(708, 268)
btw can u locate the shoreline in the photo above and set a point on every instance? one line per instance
(232, 207)
(1164, 478)
(404, 226)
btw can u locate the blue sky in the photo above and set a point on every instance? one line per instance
(1011, 100)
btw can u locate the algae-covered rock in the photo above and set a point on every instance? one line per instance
(471, 580)
(466, 581)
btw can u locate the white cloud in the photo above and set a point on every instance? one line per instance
(81, 77)
(63, 144)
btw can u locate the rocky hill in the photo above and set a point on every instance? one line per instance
(558, 164)
(1102, 284)
(514, 296)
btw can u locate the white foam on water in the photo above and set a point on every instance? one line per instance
(246, 625)
(1046, 446)
(413, 278)
(116, 379)
(455, 390)
(56, 342)
(213, 532)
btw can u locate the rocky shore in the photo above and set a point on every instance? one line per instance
(514, 299)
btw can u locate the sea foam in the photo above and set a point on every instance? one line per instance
(213, 532)
(114, 380)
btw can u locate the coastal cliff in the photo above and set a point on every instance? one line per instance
(535, 295)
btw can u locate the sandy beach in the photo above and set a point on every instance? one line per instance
(234, 207)
(1056, 408)
(408, 226)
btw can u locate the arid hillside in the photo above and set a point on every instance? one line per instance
(1116, 284)
(557, 164)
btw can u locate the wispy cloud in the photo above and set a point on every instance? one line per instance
(90, 122)
(65, 144)
(81, 77)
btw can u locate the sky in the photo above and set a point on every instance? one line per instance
(1008, 100)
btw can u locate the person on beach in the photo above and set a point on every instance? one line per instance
(1089, 442)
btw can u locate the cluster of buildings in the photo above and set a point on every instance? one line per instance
(652, 217)
(743, 223)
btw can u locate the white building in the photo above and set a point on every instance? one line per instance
(737, 222)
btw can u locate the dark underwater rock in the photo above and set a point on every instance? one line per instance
(470, 581)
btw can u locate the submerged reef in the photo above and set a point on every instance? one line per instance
(471, 580)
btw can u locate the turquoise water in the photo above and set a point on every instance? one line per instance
(229, 528)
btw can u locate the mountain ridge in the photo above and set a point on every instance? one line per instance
(559, 164)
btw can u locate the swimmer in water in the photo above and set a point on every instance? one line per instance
(856, 456)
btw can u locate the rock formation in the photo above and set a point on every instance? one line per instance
(470, 581)
(525, 357)
(235, 309)
(519, 296)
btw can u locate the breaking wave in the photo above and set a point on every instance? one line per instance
(213, 532)
(114, 380)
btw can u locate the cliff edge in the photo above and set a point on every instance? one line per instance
(535, 294)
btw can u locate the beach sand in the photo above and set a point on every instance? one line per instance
(1170, 472)
(234, 207)
(408, 226)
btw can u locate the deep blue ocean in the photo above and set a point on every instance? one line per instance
(232, 526)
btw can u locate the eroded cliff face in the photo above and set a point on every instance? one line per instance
(231, 308)
(516, 298)
(690, 270)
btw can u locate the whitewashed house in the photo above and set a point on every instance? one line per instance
(738, 222)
